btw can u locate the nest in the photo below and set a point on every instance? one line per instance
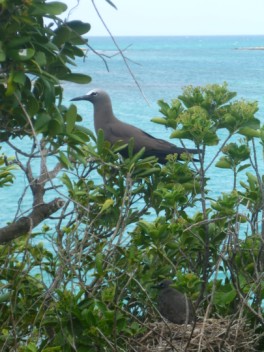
(211, 335)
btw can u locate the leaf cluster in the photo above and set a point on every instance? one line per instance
(201, 112)
(34, 58)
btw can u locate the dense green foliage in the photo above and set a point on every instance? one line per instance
(34, 58)
(83, 281)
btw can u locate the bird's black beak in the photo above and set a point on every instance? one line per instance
(83, 97)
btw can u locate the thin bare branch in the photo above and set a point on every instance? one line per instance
(120, 51)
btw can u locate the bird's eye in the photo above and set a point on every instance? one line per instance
(94, 94)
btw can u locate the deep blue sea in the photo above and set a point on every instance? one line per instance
(162, 66)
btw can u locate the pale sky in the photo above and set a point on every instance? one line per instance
(172, 17)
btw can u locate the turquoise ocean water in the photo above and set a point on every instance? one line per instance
(161, 66)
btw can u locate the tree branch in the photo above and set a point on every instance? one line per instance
(120, 51)
(27, 223)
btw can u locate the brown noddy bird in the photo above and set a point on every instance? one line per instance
(116, 130)
(174, 305)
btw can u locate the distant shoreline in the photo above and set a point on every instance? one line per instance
(251, 48)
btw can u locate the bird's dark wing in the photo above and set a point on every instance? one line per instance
(162, 148)
(153, 146)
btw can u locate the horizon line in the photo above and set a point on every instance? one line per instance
(178, 35)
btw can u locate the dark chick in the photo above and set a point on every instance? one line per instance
(173, 305)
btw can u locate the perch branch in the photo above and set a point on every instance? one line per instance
(27, 223)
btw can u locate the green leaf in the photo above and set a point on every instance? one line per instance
(211, 138)
(159, 120)
(86, 131)
(111, 3)
(64, 160)
(83, 137)
(10, 88)
(67, 181)
(243, 167)
(107, 204)
(164, 106)
(223, 163)
(40, 58)
(147, 172)
(71, 116)
(76, 138)
(100, 141)
(249, 132)
(21, 54)
(99, 263)
(252, 180)
(42, 121)
(145, 226)
(2, 53)
(19, 77)
(5, 297)
(225, 298)
(130, 147)
(55, 127)
(52, 349)
(108, 293)
(62, 34)
(76, 78)
(79, 26)
(180, 134)
(31, 347)
(138, 155)
(49, 8)
(18, 42)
